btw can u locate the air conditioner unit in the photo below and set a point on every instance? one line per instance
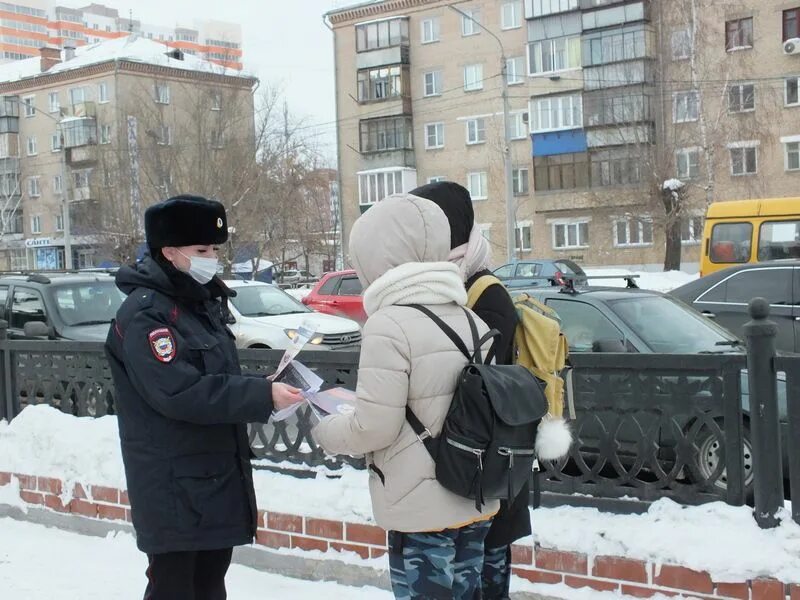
(526, 118)
(791, 46)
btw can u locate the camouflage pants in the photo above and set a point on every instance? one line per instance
(438, 565)
(496, 576)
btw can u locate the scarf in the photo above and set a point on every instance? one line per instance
(416, 283)
(473, 256)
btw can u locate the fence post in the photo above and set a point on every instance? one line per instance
(764, 419)
(6, 407)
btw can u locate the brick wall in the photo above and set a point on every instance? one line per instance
(637, 578)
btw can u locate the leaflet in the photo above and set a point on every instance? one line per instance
(336, 401)
(297, 375)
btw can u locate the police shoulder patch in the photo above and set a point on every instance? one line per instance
(162, 343)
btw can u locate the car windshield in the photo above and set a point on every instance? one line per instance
(668, 327)
(265, 301)
(92, 303)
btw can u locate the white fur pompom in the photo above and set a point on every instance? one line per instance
(553, 438)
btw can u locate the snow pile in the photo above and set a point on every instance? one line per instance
(298, 293)
(561, 590)
(673, 185)
(9, 496)
(656, 281)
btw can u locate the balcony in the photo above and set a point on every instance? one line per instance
(81, 156)
(382, 42)
(388, 85)
(9, 145)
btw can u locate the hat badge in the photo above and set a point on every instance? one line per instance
(219, 223)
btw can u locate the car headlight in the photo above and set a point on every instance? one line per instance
(292, 335)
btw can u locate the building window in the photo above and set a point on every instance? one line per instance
(105, 134)
(691, 230)
(486, 231)
(511, 15)
(633, 232)
(162, 93)
(476, 131)
(59, 222)
(685, 107)
(739, 34)
(792, 156)
(791, 87)
(520, 181)
(54, 102)
(477, 184)
(55, 142)
(542, 8)
(553, 113)
(373, 187)
(58, 184)
(523, 241)
(469, 22)
(611, 47)
(516, 126)
(77, 95)
(217, 140)
(571, 235)
(631, 107)
(81, 178)
(473, 78)
(515, 70)
(32, 151)
(550, 56)
(216, 101)
(381, 34)
(681, 44)
(30, 108)
(379, 84)
(615, 167)
(688, 163)
(391, 133)
(744, 160)
(164, 136)
(561, 172)
(741, 97)
(19, 258)
(36, 224)
(791, 23)
(432, 83)
(430, 30)
(34, 189)
(437, 179)
(434, 135)
(102, 92)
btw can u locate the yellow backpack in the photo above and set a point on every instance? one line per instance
(539, 344)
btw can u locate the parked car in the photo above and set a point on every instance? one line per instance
(264, 316)
(338, 293)
(540, 272)
(295, 277)
(724, 296)
(59, 306)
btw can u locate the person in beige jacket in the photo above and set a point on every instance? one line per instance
(399, 249)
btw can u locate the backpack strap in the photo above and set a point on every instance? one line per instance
(454, 337)
(481, 285)
(476, 357)
(424, 434)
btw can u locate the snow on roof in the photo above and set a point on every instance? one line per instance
(129, 48)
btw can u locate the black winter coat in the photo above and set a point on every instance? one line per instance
(497, 310)
(182, 405)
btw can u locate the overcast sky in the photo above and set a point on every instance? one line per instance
(285, 43)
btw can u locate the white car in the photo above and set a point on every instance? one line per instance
(268, 317)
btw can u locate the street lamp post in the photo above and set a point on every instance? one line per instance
(511, 225)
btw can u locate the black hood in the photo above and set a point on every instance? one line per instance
(161, 276)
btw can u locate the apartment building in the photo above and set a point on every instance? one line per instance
(33, 24)
(610, 100)
(89, 137)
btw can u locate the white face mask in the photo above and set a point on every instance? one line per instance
(201, 269)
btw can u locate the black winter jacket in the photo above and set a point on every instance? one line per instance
(182, 405)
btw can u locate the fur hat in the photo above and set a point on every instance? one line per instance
(185, 221)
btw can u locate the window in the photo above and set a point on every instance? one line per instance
(775, 285)
(739, 34)
(741, 97)
(32, 146)
(516, 126)
(476, 131)
(730, 242)
(633, 232)
(54, 102)
(26, 306)
(432, 83)
(434, 135)
(542, 8)
(511, 14)
(515, 70)
(351, 286)
(691, 230)
(791, 23)
(381, 34)
(102, 92)
(373, 187)
(36, 224)
(216, 101)
(379, 84)
(615, 46)
(430, 30)
(615, 167)
(486, 231)
(557, 112)
(34, 190)
(81, 178)
(30, 108)
(685, 107)
(571, 235)
(164, 135)
(105, 134)
(519, 179)
(792, 156)
(108, 178)
(77, 95)
(55, 142)
(162, 94)
(218, 139)
(791, 86)
(549, 56)
(437, 178)
(779, 240)
(522, 237)
(59, 222)
(58, 184)
(561, 172)
(583, 324)
(688, 163)
(477, 184)
(391, 133)
(19, 262)
(473, 78)
(681, 44)
(469, 22)
(744, 160)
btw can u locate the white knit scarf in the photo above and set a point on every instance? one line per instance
(473, 256)
(416, 283)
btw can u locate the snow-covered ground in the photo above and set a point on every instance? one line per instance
(299, 293)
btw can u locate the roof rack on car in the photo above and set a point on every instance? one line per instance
(569, 281)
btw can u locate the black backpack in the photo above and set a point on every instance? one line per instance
(485, 450)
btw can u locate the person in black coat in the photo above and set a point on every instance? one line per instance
(471, 252)
(183, 405)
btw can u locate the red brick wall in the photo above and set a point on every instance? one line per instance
(539, 565)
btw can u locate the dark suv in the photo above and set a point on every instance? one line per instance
(68, 306)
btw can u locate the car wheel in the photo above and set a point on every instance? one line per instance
(709, 454)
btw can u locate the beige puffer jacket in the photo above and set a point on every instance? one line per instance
(399, 249)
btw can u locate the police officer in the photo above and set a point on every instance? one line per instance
(183, 404)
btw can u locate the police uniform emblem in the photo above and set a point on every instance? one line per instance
(162, 344)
